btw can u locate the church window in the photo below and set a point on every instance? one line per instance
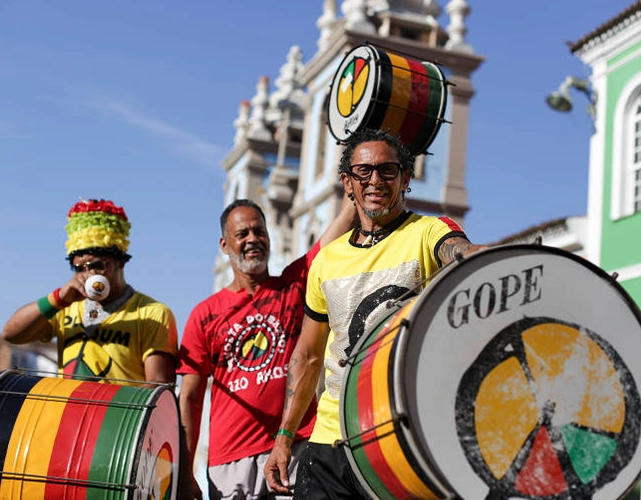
(626, 153)
(635, 163)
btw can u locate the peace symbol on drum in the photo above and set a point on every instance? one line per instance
(548, 408)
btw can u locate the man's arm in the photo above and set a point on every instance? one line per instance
(456, 245)
(160, 367)
(28, 323)
(190, 401)
(346, 219)
(303, 372)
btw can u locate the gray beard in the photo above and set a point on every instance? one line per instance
(249, 266)
(376, 214)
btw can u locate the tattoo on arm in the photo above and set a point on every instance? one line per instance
(289, 391)
(452, 246)
(289, 394)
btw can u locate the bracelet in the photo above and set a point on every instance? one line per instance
(285, 432)
(56, 296)
(47, 309)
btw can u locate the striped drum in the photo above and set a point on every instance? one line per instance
(376, 89)
(71, 439)
(514, 374)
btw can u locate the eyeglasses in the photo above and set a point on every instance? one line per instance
(96, 265)
(363, 171)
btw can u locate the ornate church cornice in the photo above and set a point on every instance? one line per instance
(607, 30)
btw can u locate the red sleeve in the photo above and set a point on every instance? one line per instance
(451, 224)
(311, 254)
(299, 269)
(193, 354)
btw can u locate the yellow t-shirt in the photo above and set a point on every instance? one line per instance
(118, 346)
(349, 286)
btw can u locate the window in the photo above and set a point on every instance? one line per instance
(626, 152)
(635, 156)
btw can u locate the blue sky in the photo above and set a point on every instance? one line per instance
(134, 101)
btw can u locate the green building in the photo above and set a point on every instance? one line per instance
(613, 53)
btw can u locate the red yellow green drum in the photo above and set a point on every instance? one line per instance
(513, 374)
(73, 439)
(373, 88)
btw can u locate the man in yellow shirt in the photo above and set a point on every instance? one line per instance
(390, 253)
(125, 336)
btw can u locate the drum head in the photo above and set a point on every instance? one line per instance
(155, 470)
(355, 84)
(520, 377)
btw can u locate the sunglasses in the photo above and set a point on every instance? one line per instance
(363, 171)
(96, 265)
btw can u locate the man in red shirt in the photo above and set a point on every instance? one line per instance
(243, 336)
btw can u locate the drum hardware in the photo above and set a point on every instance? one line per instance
(354, 354)
(401, 418)
(390, 48)
(94, 378)
(95, 402)
(67, 481)
(614, 276)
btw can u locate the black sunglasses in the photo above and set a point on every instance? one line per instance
(96, 265)
(362, 172)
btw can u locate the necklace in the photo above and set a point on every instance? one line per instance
(373, 237)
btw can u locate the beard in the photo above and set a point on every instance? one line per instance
(376, 214)
(250, 266)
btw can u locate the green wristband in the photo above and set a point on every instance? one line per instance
(284, 432)
(46, 309)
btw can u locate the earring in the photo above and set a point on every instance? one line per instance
(350, 196)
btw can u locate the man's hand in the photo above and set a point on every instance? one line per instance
(74, 289)
(276, 465)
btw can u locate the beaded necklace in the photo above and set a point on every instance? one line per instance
(373, 237)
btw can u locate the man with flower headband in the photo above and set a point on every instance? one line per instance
(124, 336)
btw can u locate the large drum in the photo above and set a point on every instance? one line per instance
(514, 374)
(376, 89)
(62, 438)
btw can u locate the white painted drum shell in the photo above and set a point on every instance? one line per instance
(435, 355)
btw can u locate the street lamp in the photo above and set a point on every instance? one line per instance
(560, 99)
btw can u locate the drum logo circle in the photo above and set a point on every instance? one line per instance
(255, 346)
(548, 409)
(351, 86)
(351, 94)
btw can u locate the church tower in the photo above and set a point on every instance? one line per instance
(285, 157)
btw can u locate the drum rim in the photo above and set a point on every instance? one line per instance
(437, 482)
(143, 427)
(493, 254)
(341, 137)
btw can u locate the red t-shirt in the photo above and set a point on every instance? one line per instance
(245, 343)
